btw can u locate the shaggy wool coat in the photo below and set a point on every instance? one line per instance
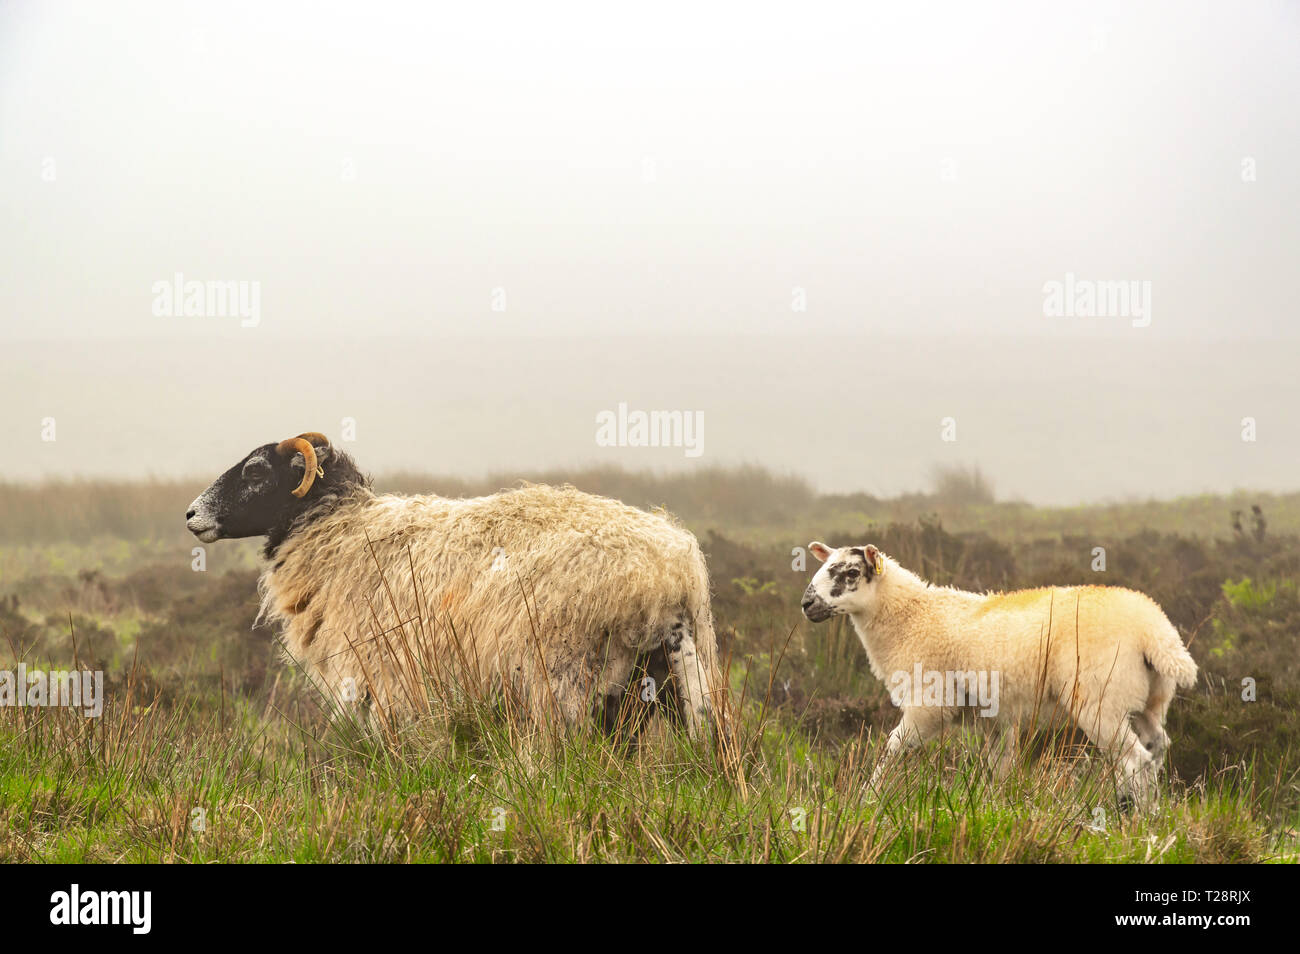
(547, 591)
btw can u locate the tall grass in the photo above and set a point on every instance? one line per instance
(238, 783)
(472, 776)
(201, 715)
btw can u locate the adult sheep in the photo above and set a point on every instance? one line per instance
(1104, 656)
(551, 593)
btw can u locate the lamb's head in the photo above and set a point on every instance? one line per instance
(847, 582)
(267, 490)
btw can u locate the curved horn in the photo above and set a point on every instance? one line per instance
(315, 438)
(287, 449)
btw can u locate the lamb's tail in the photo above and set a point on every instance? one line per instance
(1165, 652)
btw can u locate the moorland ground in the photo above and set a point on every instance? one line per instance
(210, 747)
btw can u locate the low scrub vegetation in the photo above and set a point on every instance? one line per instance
(210, 747)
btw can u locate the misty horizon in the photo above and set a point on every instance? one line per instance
(1068, 230)
(867, 416)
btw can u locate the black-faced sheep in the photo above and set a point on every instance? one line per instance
(546, 591)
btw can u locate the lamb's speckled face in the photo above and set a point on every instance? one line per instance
(843, 584)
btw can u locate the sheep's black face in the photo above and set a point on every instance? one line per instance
(252, 498)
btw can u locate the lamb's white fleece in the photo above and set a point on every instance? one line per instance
(1105, 656)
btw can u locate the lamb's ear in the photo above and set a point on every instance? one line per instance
(875, 559)
(820, 550)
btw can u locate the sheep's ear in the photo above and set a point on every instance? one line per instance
(875, 558)
(820, 550)
(324, 454)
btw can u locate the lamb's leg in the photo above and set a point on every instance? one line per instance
(1150, 723)
(679, 645)
(917, 725)
(1137, 775)
(1135, 769)
(1003, 747)
(1152, 734)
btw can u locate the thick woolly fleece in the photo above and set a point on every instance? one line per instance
(548, 591)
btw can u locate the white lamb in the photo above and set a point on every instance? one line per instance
(1104, 656)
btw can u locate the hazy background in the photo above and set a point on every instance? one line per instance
(648, 185)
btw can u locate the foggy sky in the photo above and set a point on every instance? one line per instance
(827, 228)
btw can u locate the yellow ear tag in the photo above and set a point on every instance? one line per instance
(880, 565)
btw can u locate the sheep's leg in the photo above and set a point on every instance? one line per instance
(568, 702)
(1004, 746)
(579, 687)
(1155, 741)
(1152, 733)
(612, 685)
(1137, 775)
(1150, 723)
(917, 725)
(688, 672)
(1135, 769)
